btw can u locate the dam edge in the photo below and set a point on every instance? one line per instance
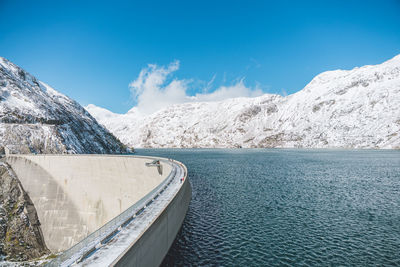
(153, 243)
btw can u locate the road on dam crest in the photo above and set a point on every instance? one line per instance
(106, 210)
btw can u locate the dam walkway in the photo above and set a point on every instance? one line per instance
(139, 235)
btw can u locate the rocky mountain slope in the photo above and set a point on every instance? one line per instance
(20, 234)
(358, 108)
(36, 118)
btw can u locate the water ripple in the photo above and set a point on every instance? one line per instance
(289, 208)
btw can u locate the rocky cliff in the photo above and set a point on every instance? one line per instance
(35, 118)
(20, 234)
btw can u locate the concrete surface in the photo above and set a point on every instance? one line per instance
(76, 194)
(152, 246)
(147, 238)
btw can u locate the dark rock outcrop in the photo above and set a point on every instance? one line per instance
(20, 234)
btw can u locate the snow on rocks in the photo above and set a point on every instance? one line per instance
(36, 118)
(356, 108)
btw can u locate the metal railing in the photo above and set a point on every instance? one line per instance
(108, 230)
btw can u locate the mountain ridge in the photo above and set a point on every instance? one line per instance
(355, 108)
(35, 118)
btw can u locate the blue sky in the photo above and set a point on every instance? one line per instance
(93, 51)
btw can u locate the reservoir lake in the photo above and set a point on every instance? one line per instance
(288, 207)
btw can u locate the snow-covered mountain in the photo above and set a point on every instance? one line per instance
(36, 118)
(358, 108)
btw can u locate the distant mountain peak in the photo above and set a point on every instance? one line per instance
(357, 108)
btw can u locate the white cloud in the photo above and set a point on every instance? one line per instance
(152, 92)
(225, 92)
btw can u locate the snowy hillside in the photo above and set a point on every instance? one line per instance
(357, 108)
(36, 118)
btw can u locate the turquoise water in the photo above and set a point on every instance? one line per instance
(273, 207)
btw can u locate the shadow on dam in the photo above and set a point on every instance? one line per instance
(75, 195)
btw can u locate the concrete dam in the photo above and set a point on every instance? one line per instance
(105, 210)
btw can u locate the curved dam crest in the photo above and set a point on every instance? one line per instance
(76, 194)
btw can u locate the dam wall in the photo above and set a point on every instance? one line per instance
(74, 195)
(153, 245)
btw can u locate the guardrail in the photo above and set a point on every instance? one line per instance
(102, 235)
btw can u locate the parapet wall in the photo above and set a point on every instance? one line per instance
(152, 246)
(76, 194)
